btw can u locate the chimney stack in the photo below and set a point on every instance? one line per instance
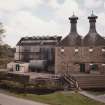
(92, 21)
(73, 20)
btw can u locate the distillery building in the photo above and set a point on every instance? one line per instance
(39, 52)
(72, 54)
(80, 61)
(81, 55)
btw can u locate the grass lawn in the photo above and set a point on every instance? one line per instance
(61, 98)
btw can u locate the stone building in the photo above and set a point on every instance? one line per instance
(80, 61)
(75, 54)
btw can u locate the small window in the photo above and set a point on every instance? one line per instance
(90, 64)
(91, 50)
(103, 64)
(103, 49)
(93, 67)
(76, 50)
(62, 50)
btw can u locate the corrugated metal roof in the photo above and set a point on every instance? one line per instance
(38, 40)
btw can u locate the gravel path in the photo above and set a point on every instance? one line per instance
(10, 100)
(100, 98)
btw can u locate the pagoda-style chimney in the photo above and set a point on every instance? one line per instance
(93, 38)
(92, 21)
(73, 20)
(73, 38)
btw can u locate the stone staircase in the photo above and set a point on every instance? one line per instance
(90, 81)
(71, 82)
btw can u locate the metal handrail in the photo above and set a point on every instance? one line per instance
(73, 80)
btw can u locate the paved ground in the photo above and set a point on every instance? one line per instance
(34, 75)
(10, 100)
(100, 98)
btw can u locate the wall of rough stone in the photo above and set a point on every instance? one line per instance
(70, 59)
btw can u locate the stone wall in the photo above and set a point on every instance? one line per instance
(70, 59)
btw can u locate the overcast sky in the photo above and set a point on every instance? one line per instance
(48, 17)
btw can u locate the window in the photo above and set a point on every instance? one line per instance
(91, 50)
(103, 64)
(103, 49)
(90, 64)
(93, 67)
(76, 50)
(62, 50)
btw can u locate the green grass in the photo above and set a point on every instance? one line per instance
(61, 98)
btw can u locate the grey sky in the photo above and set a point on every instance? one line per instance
(48, 17)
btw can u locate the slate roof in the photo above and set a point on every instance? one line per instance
(93, 38)
(73, 38)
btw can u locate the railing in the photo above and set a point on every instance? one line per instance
(71, 81)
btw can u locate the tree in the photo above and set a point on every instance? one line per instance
(2, 31)
(6, 51)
